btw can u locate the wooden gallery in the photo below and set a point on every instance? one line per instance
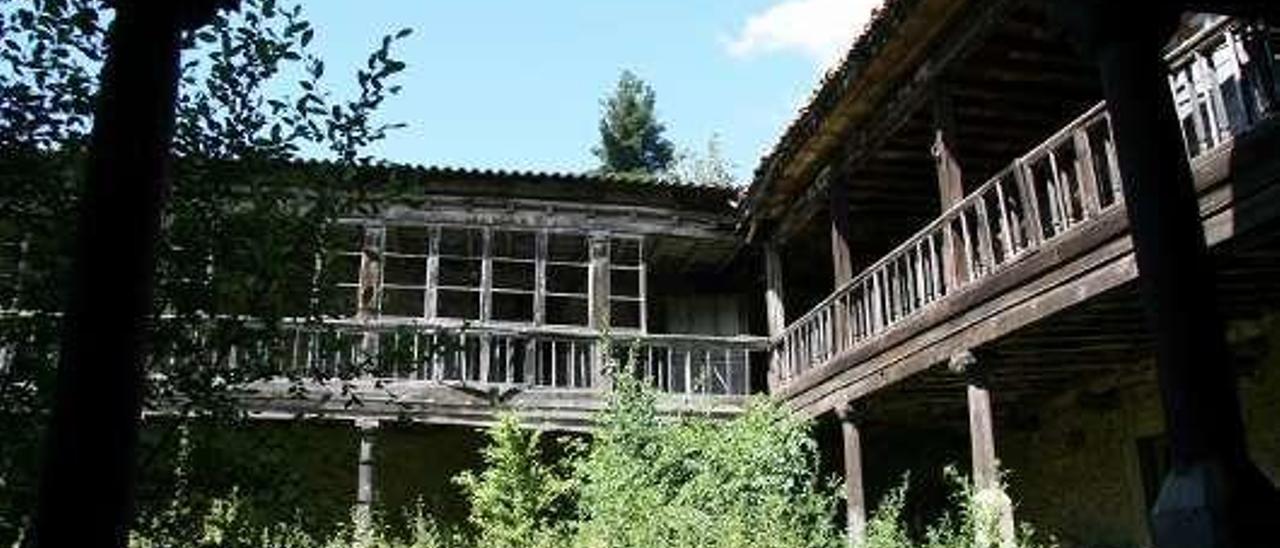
(1038, 239)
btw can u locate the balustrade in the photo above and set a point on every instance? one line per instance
(1069, 180)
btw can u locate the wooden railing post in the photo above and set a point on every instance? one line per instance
(950, 181)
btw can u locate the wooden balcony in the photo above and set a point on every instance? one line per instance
(1047, 232)
(453, 373)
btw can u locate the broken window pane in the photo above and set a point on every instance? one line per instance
(513, 244)
(624, 251)
(512, 307)
(513, 275)
(461, 242)
(567, 248)
(460, 272)
(624, 283)
(567, 279)
(407, 239)
(458, 304)
(402, 302)
(623, 313)
(409, 271)
(566, 310)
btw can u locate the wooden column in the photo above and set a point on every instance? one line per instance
(841, 257)
(368, 429)
(982, 439)
(841, 260)
(1213, 495)
(598, 297)
(950, 181)
(856, 507)
(775, 307)
(371, 265)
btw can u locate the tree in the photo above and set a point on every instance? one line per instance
(239, 243)
(631, 138)
(708, 168)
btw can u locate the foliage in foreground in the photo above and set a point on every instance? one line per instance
(972, 522)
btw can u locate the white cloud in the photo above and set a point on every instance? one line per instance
(820, 29)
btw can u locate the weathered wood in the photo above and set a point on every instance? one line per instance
(901, 352)
(1202, 408)
(367, 430)
(855, 499)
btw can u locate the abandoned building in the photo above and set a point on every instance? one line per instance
(943, 260)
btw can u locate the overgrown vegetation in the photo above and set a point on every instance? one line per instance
(973, 521)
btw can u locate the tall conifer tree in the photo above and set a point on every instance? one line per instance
(631, 139)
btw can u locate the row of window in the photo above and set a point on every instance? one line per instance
(474, 273)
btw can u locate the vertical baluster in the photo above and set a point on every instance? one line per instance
(1006, 233)
(555, 361)
(966, 244)
(921, 291)
(986, 255)
(1086, 175)
(1030, 205)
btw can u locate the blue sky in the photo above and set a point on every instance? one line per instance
(518, 84)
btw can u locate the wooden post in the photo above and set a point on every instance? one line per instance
(982, 438)
(367, 429)
(950, 182)
(1214, 495)
(841, 259)
(775, 309)
(598, 303)
(856, 507)
(371, 265)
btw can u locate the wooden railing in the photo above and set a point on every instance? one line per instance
(1222, 82)
(1061, 185)
(498, 355)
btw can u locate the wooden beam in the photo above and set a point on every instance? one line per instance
(982, 439)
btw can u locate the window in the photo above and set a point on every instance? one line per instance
(482, 274)
(626, 283)
(461, 256)
(404, 271)
(568, 266)
(514, 275)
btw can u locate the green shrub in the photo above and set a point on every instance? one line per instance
(517, 500)
(972, 522)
